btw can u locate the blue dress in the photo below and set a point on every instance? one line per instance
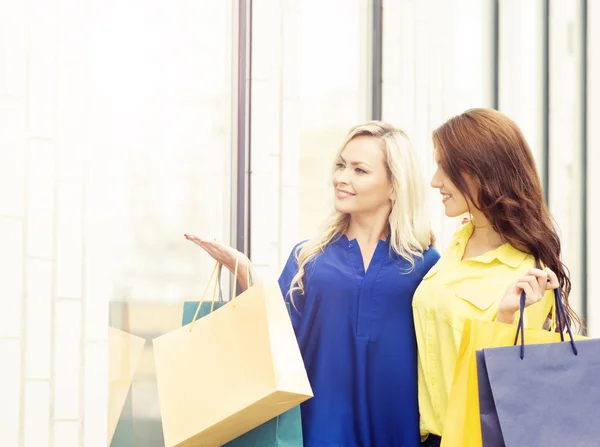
(356, 334)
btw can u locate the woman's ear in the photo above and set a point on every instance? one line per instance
(392, 194)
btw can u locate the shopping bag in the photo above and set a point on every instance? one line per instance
(462, 426)
(124, 353)
(284, 430)
(230, 371)
(543, 394)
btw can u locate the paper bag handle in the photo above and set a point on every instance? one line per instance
(562, 313)
(217, 269)
(235, 274)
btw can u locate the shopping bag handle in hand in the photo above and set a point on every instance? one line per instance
(217, 269)
(235, 276)
(562, 313)
(235, 273)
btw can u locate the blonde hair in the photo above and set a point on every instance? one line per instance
(408, 221)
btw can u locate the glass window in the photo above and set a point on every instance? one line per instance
(333, 97)
(521, 69)
(565, 138)
(310, 63)
(159, 165)
(437, 62)
(593, 166)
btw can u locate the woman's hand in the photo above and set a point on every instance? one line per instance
(432, 239)
(534, 284)
(224, 255)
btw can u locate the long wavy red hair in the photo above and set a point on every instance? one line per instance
(490, 149)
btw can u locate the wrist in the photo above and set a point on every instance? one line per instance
(506, 316)
(242, 262)
(243, 270)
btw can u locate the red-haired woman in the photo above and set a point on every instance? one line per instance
(485, 168)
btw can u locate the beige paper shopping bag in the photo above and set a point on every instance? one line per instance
(124, 353)
(229, 371)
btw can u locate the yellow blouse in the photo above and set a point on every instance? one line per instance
(451, 292)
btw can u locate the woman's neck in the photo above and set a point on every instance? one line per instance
(368, 229)
(484, 233)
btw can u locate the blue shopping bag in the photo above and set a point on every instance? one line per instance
(540, 394)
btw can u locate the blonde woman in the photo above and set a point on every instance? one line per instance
(351, 289)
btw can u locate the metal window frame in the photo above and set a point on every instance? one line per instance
(241, 150)
(377, 60)
(584, 157)
(546, 100)
(495, 54)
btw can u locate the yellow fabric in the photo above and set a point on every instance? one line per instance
(462, 425)
(453, 291)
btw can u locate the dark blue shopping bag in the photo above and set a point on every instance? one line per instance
(540, 394)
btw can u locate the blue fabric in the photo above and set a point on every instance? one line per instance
(357, 339)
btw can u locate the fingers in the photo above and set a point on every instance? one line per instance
(542, 278)
(211, 247)
(197, 239)
(547, 279)
(219, 252)
(432, 238)
(553, 282)
(193, 238)
(531, 296)
(530, 285)
(535, 284)
(206, 244)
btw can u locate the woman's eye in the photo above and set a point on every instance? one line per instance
(360, 171)
(339, 165)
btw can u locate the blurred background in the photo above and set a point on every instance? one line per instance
(124, 124)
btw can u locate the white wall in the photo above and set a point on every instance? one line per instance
(115, 132)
